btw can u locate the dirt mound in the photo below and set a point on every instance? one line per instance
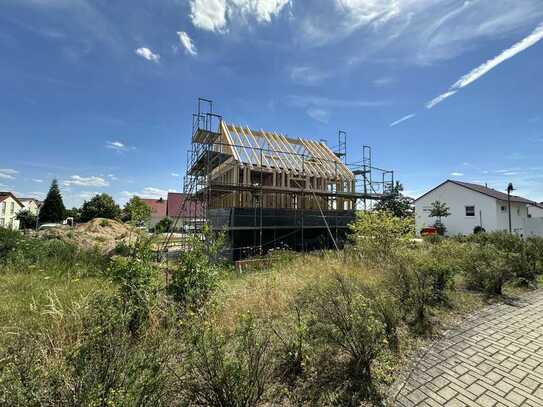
(103, 234)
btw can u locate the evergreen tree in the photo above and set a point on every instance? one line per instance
(52, 210)
(395, 203)
(100, 206)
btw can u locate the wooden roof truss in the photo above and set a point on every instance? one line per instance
(273, 151)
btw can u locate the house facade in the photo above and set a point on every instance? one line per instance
(158, 209)
(30, 204)
(472, 205)
(9, 208)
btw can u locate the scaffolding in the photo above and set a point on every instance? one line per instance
(267, 190)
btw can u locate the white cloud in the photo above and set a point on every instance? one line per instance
(187, 43)
(112, 177)
(148, 192)
(208, 15)
(306, 75)
(39, 181)
(457, 174)
(383, 82)
(319, 115)
(215, 15)
(147, 54)
(86, 181)
(8, 173)
(118, 146)
(532, 39)
(403, 119)
(174, 174)
(324, 102)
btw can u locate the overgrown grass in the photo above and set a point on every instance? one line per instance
(311, 329)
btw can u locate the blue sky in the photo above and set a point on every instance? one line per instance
(99, 94)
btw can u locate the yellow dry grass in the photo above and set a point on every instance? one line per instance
(268, 294)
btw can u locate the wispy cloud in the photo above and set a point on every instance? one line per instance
(39, 181)
(148, 192)
(457, 174)
(483, 69)
(175, 174)
(306, 75)
(319, 115)
(118, 146)
(187, 43)
(383, 82)
(324, 102)
(8, 173)
(403, 119)
(147, 54)
(86, 181)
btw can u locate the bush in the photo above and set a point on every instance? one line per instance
(516, 251)
(97, 364)
(226, 368)
(534, 254)
(138, 283)
(164, 225)
(487, 269)
(197, 274)
(8, 242)
(53, 255)
(379, 236)
(346, 334)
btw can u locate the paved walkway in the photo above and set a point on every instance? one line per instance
(494, 358)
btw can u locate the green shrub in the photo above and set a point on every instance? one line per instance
(412, 282)
(293, 347)
(8, 242)
(516, 251)
(54, 256)
(534, 254)
(226, 368)
(197, 274)
(98, 364)
(346, 334)
(138, 280)
(379, 236)
(487, 269)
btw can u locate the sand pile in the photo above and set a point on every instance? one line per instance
(104, 234)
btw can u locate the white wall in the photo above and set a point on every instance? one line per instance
(8, 212)
(519, 217)
(535, 211)
(534, 227)
(457, 198)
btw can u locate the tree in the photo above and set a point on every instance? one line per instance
(27, 219)
(439, 210)
(164, 225)
(136, 211)
(52, 210)
(396, 203)
(100, 206)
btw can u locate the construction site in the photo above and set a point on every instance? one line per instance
(266, 190)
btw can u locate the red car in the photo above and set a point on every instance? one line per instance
(429, 231)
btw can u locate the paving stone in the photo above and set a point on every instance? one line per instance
(495, 358)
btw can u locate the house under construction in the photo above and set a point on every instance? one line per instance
(266, 190)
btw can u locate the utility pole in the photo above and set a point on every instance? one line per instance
(509, 190)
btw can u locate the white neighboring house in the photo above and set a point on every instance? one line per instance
(30, 204)
(536, 210)
(9, 208)
(472, 205)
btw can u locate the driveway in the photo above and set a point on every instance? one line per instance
(494, 358)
